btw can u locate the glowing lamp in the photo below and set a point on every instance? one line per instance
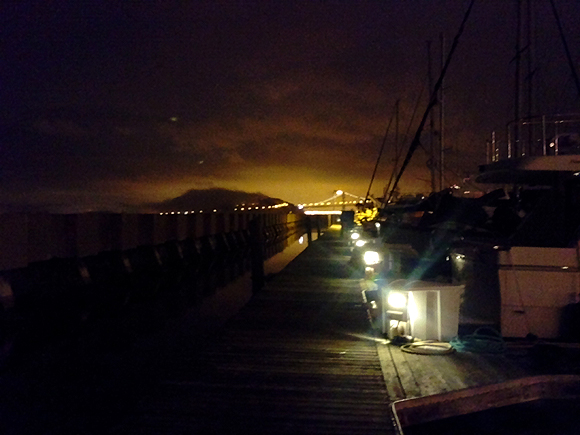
(397, 300)
(371, 257)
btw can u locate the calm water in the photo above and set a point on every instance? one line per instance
(545, 417)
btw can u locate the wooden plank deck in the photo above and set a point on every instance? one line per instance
(300, 357)
(291, 361)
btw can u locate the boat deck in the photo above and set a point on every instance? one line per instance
(300, 357)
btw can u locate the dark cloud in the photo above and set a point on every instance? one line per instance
(129, 102)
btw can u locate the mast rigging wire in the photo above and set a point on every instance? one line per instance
(398, 150)
(566, 49)
(433, 100)
(381, 151)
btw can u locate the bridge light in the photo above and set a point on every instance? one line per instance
(339, 192)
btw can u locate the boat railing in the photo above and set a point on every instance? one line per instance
(546, 135)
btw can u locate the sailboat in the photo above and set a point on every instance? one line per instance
(516, 249)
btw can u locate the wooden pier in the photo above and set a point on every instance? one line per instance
(300, 357)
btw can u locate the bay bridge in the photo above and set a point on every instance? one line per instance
(244, 322)
(335, 205)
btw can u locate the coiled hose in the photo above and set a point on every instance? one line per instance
(483, 340)
(428, 347)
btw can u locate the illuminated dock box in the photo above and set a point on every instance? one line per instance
(430, 309)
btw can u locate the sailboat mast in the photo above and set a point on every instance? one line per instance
(530, 76)
(432, 163)
(517, 86)
(432, 101)
(441, 121)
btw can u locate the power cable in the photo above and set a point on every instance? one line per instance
(480, 342)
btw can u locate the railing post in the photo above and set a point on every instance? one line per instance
(257, 253)
(308, 228)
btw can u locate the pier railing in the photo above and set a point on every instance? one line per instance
(60, 273)
(537, 136)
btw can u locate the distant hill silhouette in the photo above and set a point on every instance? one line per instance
(76, 160)
(210, 199)
(193, 200)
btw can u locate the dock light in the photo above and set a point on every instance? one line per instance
(371, 257)
(355, 236)
(397, 300)
(397, 311)
(360, 243)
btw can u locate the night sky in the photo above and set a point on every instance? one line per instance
(107, 103)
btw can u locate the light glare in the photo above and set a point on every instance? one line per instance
(371, 257)
(397, 300)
